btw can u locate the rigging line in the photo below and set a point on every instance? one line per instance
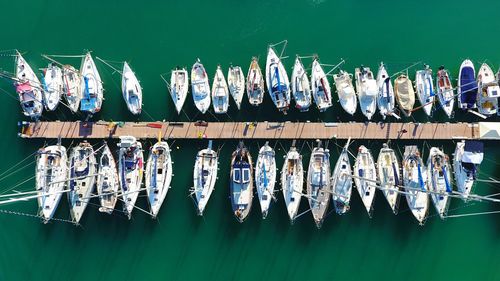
(405, 69)
(98, 206)
(13, 167)
(187, 116)
(473, 214)
(110, 66)
(149, 115)
(33, 216)
(18, 170)
(213, 115)
(135, 207)
(16, 185)
(64, 56)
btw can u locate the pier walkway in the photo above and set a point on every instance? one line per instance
(259, 130)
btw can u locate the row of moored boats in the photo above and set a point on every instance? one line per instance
(83, 91)
(80, 173)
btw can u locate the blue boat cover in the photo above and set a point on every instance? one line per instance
(447, 183)
(264, 175)
(88, 103)
(420, 177)
(474, 146)
(469, 87)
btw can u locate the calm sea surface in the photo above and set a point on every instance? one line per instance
(156, 36)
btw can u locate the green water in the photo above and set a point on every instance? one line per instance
(155, 37)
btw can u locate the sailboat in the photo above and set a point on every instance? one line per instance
(158, 175)
(445, 92)
(466, 160)
(365, 177)
(205, 176)
(255, 83)
(367, 90)
(179, 87)
(415, 183)
(389, 175)
(292, 182)
(220, 92)
(405, 95)
(345, 91)
(320, 87)
(385, 97)
(236, 83)
(439, 180)
(277, 82)
(467, 86)
(342, 182)
(489, 91)
(425, 89)
(200, 87)
(51, 174)
(92, 97)
(265, 177)
(28, 88)
(82, 174)
(131, 89)
(107, 181)
(318, 183)
(72, 87)
(241, 182)
(130, 170)
(301, 88)
(53, 86)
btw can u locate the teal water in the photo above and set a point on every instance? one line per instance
(157, 36)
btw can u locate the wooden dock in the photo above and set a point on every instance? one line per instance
(249, 130)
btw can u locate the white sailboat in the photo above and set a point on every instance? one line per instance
(72, 87)
(318, 183)
(321, 90)
(236, 84)
(466, 160)
(439, 180)
(28, 88)
(131, 90)
(51, 175)
(445, 92)
(367, 90)
(265, 177)
(205, 176)
(220, 92)
(301, 88)
(200, 87)
(365, 177)
(53, 86)
(93, 92)
(179, 83)
(107, 181)
(342, 182)
(255, 83)
(292, 182)
(346, 92)
(277, 82)
(241, 182)
(415, 183)
(488, 91)
(158, 175)
(385, 97)
(425, 89)
(130, 171)
(82, 175)
(389, 175)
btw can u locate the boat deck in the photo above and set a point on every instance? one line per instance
(249, 130)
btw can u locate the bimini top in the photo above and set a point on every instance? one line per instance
(473, 152)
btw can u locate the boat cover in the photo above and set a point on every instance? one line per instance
(469, 87)
(88, 103)
(473, 152)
